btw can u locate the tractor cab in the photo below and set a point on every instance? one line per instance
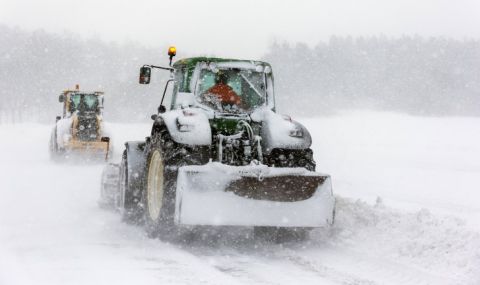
(84, 104)
(217, 85)
(228, 86)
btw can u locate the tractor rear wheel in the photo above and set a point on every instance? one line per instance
(126, 202)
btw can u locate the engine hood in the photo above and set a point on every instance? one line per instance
(194, 126)
(280, 131)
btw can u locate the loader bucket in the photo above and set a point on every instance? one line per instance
(89, 149)
(254, 195)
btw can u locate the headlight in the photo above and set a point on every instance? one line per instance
(297, 133)
(184, 127)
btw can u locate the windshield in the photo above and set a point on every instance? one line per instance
(231, 90)
(84, 102)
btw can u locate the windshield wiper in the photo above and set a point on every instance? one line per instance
(251, 86)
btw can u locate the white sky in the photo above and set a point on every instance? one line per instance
(242, 28)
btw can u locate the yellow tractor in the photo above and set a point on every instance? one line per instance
(79, 131)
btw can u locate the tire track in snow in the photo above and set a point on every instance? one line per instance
(256, 262)
(64, 233)
(369, 244)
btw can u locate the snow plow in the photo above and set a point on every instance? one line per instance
(221, 156)
(257, 195)
(79, 131)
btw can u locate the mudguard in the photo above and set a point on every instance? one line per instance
(136, 166)
(188, 126)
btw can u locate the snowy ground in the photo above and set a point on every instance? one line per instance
(408, 212)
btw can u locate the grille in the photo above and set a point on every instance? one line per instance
(87, 129)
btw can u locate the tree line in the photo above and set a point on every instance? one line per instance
(416, 75)
(36, 66)
(424, 76)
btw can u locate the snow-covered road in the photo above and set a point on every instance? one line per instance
(408, 212)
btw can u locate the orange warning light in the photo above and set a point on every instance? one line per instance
(172, 51)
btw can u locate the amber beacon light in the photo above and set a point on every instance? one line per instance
(172, 51)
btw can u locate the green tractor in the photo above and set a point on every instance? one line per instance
(220, 156)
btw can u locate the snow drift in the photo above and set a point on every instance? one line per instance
(407, 213)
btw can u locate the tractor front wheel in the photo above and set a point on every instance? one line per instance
(159, 193)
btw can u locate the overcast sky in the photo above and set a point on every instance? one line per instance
(242, 28)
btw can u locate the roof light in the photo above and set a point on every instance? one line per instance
(172, 51)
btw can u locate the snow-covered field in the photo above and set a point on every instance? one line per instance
(408, 212)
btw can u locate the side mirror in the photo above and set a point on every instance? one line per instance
(61, 98)
(58, 118)
(154, 116)
(145, 73)
(161, 109)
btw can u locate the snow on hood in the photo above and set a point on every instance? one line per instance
(278, 130)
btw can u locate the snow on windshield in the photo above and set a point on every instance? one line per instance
(231, 90)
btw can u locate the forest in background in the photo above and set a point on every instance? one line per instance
(410, 74)
(415, 75)
(36, 66)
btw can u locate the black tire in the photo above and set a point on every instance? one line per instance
(280, 234)
(55, 154)
(125, 201)
(158, 196)
(107, 200)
